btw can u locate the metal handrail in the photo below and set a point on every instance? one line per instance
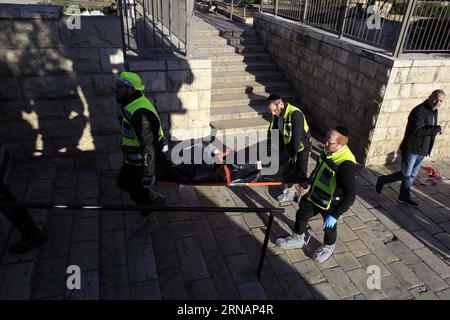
(157, 26)
(116, 207)
(402, 25)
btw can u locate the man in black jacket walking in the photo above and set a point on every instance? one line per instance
(417, 143)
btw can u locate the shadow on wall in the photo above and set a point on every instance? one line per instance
(58, 86)
(171, 92)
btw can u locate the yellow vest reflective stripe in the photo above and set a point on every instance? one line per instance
(287, 125)
(131, 146)
(324, 180)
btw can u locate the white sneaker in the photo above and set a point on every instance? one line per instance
(289, 194)
(294, 241)
(323, 253)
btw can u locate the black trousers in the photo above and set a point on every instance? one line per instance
(301, 164)
(19, 217)
(306, 211)
(129, 180)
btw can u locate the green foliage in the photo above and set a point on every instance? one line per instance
(432, 10)
(106, 7)
(250, 1)
(422, 9)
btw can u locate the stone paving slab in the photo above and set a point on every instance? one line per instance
(90, 287)
(114, 283)
(16, 281)
(50, 278)
(214, 255)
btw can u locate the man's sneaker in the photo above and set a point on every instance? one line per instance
(408, 201)
(289, 194)
(295, 241)
(323, 253)
(379, 185)
(25, 245)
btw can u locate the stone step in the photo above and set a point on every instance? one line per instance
(239, 48)
(229, 100)
(239, 126)
(242, 140)
(267, 86)
(238, 112)
(219, 58)
(218, 40)
(229, 33)
(243, 66)
(239, 76)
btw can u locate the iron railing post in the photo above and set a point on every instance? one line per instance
(170, 25)
(275, 13)
(261, 6)
(232, 8)
(265, 244)
(121, 15)
(189, 18)
(404, 28)
(304, 11)
(344, 19)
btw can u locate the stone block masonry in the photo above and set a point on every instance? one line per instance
(181, 90)
(341, 83)
(57, 87)
(57, 84)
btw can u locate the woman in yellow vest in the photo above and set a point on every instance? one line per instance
(142, 143)
(331, 193)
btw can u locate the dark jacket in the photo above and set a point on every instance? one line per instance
(146, 125)
(298, 134)
(345, 188)
(345, 192)
(4, 162)
(421, 130)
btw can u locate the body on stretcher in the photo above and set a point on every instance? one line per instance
(216, 169)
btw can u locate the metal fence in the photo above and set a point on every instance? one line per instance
(394, 25)
(157, 26)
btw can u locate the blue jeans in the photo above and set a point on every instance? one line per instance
(410, 167)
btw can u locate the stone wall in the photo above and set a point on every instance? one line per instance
(181, 90)
(410, 82)
(57, 95)
(57, 86)
(341, 82)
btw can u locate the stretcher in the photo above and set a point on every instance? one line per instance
(223, 172)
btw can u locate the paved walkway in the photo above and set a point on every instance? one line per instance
(214, 255)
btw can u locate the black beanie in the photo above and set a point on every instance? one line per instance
(273, 97)
(343, 130)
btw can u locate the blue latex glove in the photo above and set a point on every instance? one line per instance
(147, 182)
(329, 222)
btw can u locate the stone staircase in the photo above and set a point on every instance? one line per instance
(243, 75)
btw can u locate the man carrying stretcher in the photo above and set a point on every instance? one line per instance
(294, 143)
